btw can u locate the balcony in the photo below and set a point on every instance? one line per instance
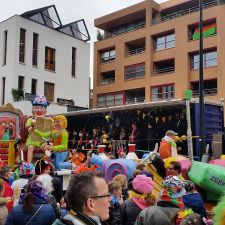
(136, 51)
(163, 70)
(210, 91)
(134, 100)
(107, 81)
(187, 11)
(163, 67)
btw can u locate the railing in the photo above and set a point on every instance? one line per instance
(163, 70)
(190, 36)
(107, 60)
(210, 91)
(134, 100)
(107, 81)
(183, 12)
(136, 51)
(163, 96)
(127, 30)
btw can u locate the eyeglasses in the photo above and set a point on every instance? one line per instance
(170, 168)
(102, 196)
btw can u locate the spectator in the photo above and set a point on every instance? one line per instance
(88, 199)
(168, 145)
(5, 173)
(192, 219)
(122, 179)
(32, 208)
(174, 169)
(140, 198)
(3, 201)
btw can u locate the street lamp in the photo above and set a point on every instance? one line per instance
(201, 81)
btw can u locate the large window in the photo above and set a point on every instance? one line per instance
(162, 92)
(209, 60)
(210, 87)
(33, 86)
(22, 46)
(49, 91)
(111, 99)
(73, 72)
(108, 56)
(164, 42)
(49, 59)
(134, 71)
(20, 82)
(5, 47)
(35, 49)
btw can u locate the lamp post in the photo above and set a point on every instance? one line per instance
(201, 81)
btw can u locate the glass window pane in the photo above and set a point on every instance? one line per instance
(101, 101)
(109, 100)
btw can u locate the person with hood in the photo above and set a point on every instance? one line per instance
(139, 198)
(32, 208)
(168, 145)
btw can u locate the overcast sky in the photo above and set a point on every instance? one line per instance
(69, 10)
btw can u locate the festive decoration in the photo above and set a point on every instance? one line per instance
(131, 154)
(208, 30)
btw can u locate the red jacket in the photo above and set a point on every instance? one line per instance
(8, 192)
(164, 149)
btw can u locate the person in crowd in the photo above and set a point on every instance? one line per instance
(192, 219)
(5, 174)
(46, 180)
(150, 136)
(88, 200)
(135, 173)
(32, 208)
(168, 145)
(59, 147)
(174, 169)
(3, 202)
(168, 206)
(140, 198)
(193, 199)
(122, 179)
(26, 171)
(115, 209)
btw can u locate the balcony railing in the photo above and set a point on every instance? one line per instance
(163, 70)
(183, 12)
(126, 30)
(134, 100)
(107, 81)
(190, 37)
(136, 51)
(209, 91)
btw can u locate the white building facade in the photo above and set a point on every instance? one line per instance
(38, 55)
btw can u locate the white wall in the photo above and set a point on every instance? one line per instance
(65, 86)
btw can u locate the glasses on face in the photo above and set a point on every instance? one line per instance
(170, 168)
(108, 195)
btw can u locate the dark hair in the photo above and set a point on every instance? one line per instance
(177, 166)
(29, 202)
(192, 219)
(58, 190)
(140, 167)
(4, 170)
(1, 185)
(81, 187)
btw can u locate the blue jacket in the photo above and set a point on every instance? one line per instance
(195, 202)
(45, 215)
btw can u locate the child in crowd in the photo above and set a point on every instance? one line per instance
(122, 179)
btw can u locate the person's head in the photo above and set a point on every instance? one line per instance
(122, 179)
(42, 166)
(5, 172)
(2, 187)
(34, 190)
(141, 167)
(189, 186)
(60, 122)
(171, 134)
(87, 192)
(46, 180)
(192, 219)
(115, 188)
(172, 191)
(26, 170)
(174, 168)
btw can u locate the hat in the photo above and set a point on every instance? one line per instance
(41, 165)
(173, 191)
(26, 169)
(143, 184)
(171, 132)
(146, 173)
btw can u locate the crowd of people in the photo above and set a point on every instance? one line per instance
(35, 196)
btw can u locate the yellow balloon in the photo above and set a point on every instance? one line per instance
(168, 160)
(222, 157)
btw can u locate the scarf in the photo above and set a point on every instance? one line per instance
(141, 203)
(173, 145)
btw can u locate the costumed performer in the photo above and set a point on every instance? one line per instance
(59, 146)
(39, 108)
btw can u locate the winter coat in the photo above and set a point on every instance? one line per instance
(45, 216)
(164, 149)
(51, 201)
(195, 202)
(114, 214)
(3, 211)
(8, 192)
(129, 212)
(157, 215)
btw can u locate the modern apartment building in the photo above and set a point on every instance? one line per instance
(40, 55)
(150, 52)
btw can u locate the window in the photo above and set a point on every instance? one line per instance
(20, 82)
(111, 99)
(22, 46)
(135, 71)
(33, 86)
(209, 60)
(210, 87)
(49, 59)
(49, 91)
(164, 42)
(74, 50)
(162, 92)
(3, 91)
(5, 47)
(35, 49)
(108, 56)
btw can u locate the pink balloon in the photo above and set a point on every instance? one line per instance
(218, 162)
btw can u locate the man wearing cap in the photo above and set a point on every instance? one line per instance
(168, 145)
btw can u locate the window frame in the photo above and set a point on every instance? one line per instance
(5, 39)
(164, 93)
(50, 56)
(107, 59)
(73, 63)
(22, 45)
(35, 50)
(114, 99)
(134, 71)
(47, 87)
(165, 42)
